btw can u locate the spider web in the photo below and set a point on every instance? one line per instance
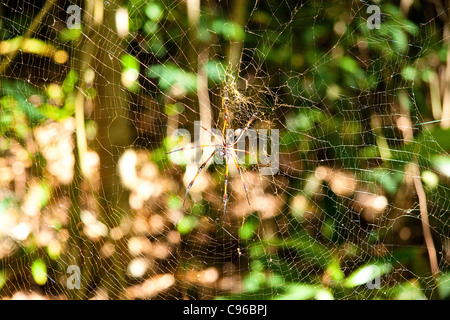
(357, 207)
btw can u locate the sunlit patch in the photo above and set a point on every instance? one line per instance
(92, 227)
(61, 56)
(151, 287)
(122, 22)
(138, 267)
(129, 77)
(21, 231)
(371, 206)
(139, 245)
(302, 208)
(56, 143)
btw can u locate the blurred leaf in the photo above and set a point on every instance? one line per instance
(174, 202)
(253, 281)
(3, 278)
(156, 45)
(70, 81)
(69, 35)
(308, 248)
(367, 273)
(298, 291)
(334, 270)
(442, 164)
(186, 224)
(324, 294)
(215, 70)
(349, 64)
(248, 228)
(409, 290)
(430, 179)
(443, 286)
(173, 109)
(153, 11)
(130, 72)
(440, 136)
(229, 30)
(150, 27)
(400, 41)
(129, 62)
(21, 91)
(389, 180)
(409, 73)
(52, 112)
(275, 280)
(170, 75)
(44, 193)
(39, 271)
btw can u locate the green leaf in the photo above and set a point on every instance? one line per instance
(3, 278)
(170, 75)
(442, 164)
(324, 294)
(70, 81)
(367, 273)
(389, 180)
(215, 70)
(129, 62)
(430, 179)
(253, 281)
(186, 224)
(153, 11)
(174, 109)
(409, 73)
(335, 271)
(229, 30)
(298, 291)
(44, 194)
(443, 287)
(39, 271)
(248, 229)
(407, 291)
(20, 92)
(348, 64)
(66, 35)
(174, 202)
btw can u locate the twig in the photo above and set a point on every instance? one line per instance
(34, 24)
(424, 218)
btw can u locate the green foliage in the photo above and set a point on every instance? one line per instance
(39, 271)
(170, 76)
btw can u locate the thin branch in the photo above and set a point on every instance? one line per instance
(424, 218)
(30, 31)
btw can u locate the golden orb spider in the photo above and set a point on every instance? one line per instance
(225, 150)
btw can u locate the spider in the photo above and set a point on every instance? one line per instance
(225, 150)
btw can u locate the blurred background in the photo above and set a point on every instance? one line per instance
(94, 94)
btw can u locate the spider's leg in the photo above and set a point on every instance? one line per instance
(225, 117)
(193, 147)
(215, 136)
(242, 178)
(245, 129)
(225, 198)
(247, 152)
(198, 172)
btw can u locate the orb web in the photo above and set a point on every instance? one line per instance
(346, 166)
